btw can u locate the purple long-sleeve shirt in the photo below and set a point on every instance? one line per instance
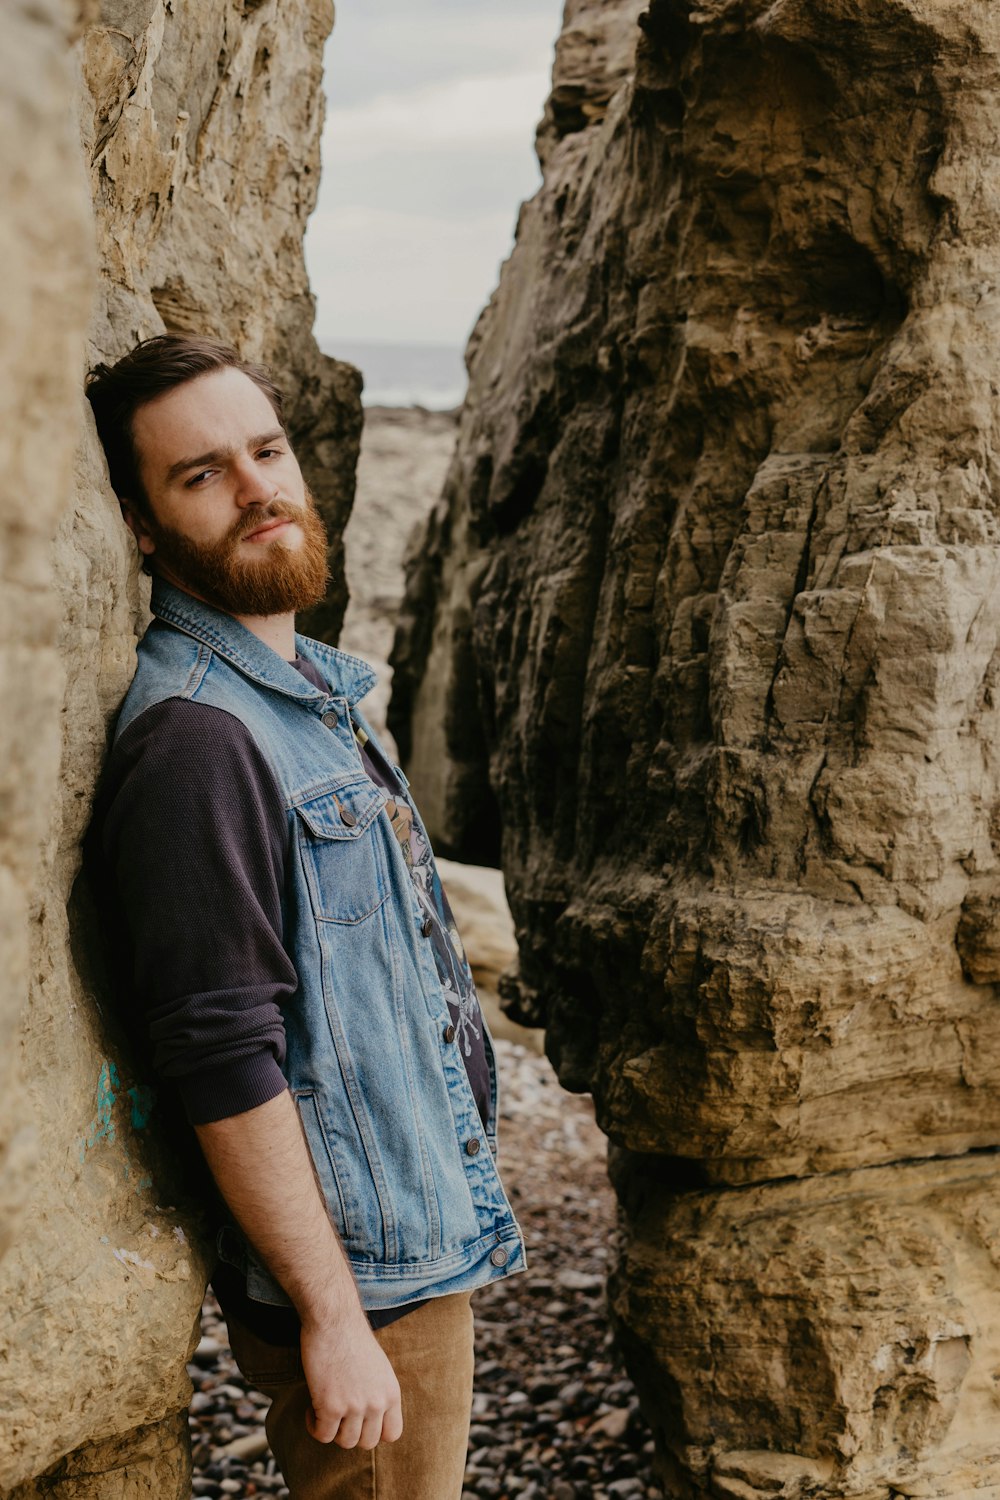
(191, 840)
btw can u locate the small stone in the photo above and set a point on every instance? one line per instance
(543, 1390)
(613, 1424)
(579, 1281)
(207, 1351)
(254, 1445)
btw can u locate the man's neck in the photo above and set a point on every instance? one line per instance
(276, 631)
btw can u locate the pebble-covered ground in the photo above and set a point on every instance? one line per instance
(554, 1415)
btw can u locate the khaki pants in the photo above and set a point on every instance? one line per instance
(431, 1352)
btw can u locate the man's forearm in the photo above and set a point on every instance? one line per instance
(261, 1163)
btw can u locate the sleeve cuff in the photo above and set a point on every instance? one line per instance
(233, 1090)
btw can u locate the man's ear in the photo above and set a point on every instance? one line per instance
(135, 523)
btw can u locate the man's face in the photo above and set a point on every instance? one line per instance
(232, 520)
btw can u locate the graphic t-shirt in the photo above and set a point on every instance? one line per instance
(446, 944)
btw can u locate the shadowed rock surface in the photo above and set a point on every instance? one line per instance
(707, 623)
(201, 135)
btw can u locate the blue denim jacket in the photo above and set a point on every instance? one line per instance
(384, 1097)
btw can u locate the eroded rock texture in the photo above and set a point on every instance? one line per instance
(718, 639)
(201, 131)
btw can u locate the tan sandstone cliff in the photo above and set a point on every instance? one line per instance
(200, 132)
(708, 620)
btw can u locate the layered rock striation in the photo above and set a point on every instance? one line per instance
(707, 625)
(200, 128)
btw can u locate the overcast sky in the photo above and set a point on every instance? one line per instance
(427, 153)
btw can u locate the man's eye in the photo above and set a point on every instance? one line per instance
(269, 453)
(197, 478)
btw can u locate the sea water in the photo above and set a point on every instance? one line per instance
(428, 375)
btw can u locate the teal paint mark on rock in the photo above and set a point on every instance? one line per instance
(102, 1127)
(143, 1099)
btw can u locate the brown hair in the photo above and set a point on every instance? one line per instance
(116, 392)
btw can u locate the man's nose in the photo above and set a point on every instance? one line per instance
(253, 486)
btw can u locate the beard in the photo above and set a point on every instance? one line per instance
(278, 580)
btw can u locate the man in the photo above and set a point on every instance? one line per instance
(292, 952)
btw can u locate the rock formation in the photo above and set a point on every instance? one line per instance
(707, 622)
(201, 136)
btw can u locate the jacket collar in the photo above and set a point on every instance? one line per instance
(349, 677)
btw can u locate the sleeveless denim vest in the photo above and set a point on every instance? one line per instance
(399, 1148)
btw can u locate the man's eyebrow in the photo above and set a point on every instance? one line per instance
(205, 460)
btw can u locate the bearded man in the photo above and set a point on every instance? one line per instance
(291, 952)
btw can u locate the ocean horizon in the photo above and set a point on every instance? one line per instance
(403, 374)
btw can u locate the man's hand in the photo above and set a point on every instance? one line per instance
(355, 1394)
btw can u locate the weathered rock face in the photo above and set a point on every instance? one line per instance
(46, 246)
(201, 129)
(720, 540)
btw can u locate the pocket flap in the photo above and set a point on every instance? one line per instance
(345, 812)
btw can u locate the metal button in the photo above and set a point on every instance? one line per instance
(472, 1147)
(346, 816)
(330, 719)
(449, 1033)
(427, 927)
(499, 1256)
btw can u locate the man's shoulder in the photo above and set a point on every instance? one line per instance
(189, 743)
(184, 724)
(174, 667)
(166, 668)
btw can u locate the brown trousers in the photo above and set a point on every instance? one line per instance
(431, 1352)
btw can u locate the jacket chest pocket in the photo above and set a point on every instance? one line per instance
(340, 851)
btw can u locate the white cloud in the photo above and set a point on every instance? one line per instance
(403, 277)
(464, 112)
(376, 48)
(427, 154)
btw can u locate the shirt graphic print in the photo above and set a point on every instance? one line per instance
(449, 952)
